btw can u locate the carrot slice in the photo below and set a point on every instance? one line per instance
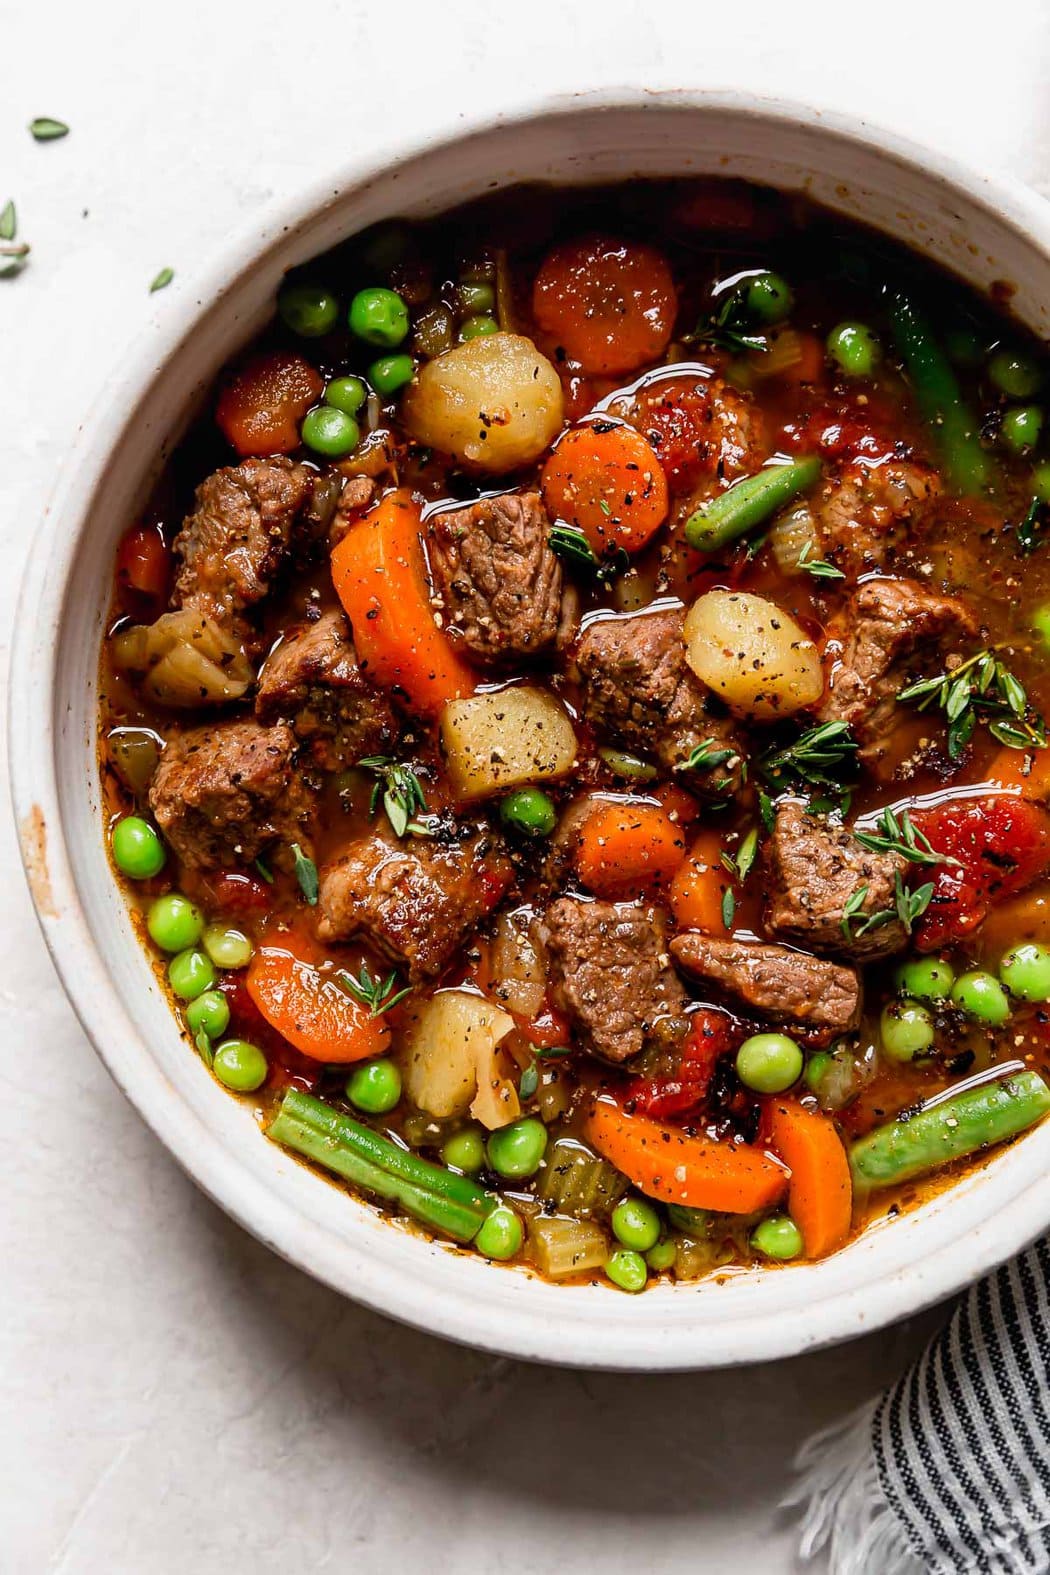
(309, 1009)
(699, 887)
(667, 1164)
(380, 578)
(607, 480)
(627, 846)
(144, 561)
(820, 1195)
(262, 404)
(609, 304)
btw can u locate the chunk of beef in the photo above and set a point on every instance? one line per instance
(237, 537)
(222, 794)
(772, 981)
(865, 514)
(416, 900)
(813, 868)
(313, 682)
(639, 690)
(501, 585)
(610, 974)
(356, 497)
(890, 631)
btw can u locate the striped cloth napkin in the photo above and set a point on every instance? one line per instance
(948, 1471)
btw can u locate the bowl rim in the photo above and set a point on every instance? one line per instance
(1021, 1211)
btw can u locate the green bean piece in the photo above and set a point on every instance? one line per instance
(949, 1129)
(748, 503)
(447, 1202)
(939, 398)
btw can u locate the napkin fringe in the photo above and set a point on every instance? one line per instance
(845, 1513)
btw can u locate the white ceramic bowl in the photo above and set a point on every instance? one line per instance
(984, 229)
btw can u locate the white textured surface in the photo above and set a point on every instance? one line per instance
(173, 1398)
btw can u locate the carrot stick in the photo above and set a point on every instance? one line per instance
(626, 846)
(380, 578)
(667, 1164)
(262, 404)
(820, 1194)
(310, 1010)
(607, 304)
(608, 481)
(699, 887)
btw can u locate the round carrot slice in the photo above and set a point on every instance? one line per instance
(607, 480)
(609, 304)
(310, 1010)
(265, 399)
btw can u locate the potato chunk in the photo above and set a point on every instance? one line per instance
(494, 402)
(752, 655)
(493, 742)
(452, 1061)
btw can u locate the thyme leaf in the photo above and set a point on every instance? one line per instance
(401, 792)
(571, 545)
(44, 129)
(818, 567)
(162, 280)
(819, 756)
(897, 834)
(379, 995)
(306, 875)
(980, 690)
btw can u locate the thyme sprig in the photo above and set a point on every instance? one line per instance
(980, 690)
(897, 834)
(908, 907)
(379, 995)
(821, 756)
(571, 545)
(401, 792)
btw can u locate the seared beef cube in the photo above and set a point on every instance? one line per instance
(223, 793)
(610, 974)
(355, 499)
(814, 867)
(238, 535)
(891, 631)
(313, 682)
(416, 900)
(499, 581)
(772, 981)
(864, 515)
(639, 690)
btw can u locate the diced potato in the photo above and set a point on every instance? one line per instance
(494, 403)
(752, 655)
(493, 742)
(452, 1061)
(187, 659)
(519, 978)
(560, 1247)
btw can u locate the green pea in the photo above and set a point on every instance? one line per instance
(1021, 427)
(636, 1224)
(518, 1150)
(1025, 971)
(138, 851)
(240, 1065)
(855, 348)
(475, 295)
(1040, 621)
(374, 1087)
(308, 309)
(210, 1011)
(174, 923)
(501, 1234)
(465, 1151)
(769, 1063)
(190, 973)
(478, 327)
(662, 1256)
(627, 1270)
(768, 297)
(925, 979)
(1015, 373)
(980, 994)
(379, 317)
(347, 394)
(330, 432)
(777, 1237)
(529, 812)
(227, 947)
(817, 1068)
(1041, 480)
(905, 1030)
(390, 373)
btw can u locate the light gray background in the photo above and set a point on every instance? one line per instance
(172, 1398)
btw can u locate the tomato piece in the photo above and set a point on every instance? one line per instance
(264, 401)
(1002, 844)
(712, 1034)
